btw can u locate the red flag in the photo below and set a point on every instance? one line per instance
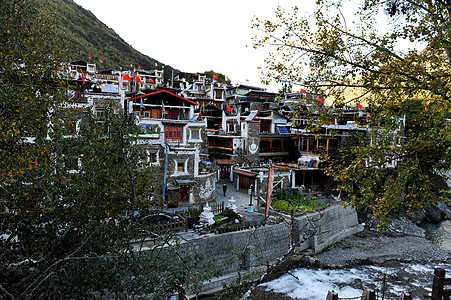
(126, 77)
(90, 58)
(359, 106)
(215, 76)
(319, 99)
(303, 91)
(101, 61)
(151, 80)
(229, 108)
(228, 79)
(139, 67)
(82, 76)
(138, 79)
(270, 183)
(247, 80)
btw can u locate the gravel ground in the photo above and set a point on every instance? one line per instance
(371, 247)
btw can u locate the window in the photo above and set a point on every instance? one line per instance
(146, 114)
(195, 133)
(70, 127)
(71, 162)
(231, 127)
(99, 113)
(174, 114)
(173, 134)
(180, 166)
(152, 156)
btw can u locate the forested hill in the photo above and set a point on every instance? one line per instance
(86, 36)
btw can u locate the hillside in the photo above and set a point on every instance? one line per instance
(86, 36)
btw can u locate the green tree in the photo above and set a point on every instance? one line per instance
(221, 77)
(71, 183)
(403, 76)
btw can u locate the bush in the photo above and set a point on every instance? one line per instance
(286, 202)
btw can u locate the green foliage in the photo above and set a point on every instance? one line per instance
(68, 198)
(86, 36)
(287, 202)
(221, 77)
(398, 165)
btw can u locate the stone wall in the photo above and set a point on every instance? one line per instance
(242, 250)
(322, 229)
(250, 251)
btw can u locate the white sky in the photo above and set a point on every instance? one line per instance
(193, 36)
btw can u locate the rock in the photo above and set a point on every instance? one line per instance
(446, 209)
(433, 214)
(404, 226)
(419, 217)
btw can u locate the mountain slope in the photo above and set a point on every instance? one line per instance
(86, 36)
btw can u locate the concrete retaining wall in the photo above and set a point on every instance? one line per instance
(322, 229)
(242, 250)
(250, 251)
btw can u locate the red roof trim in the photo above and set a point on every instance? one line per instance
(154, 93)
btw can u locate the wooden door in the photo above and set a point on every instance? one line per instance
(225, 172)
(184, 193)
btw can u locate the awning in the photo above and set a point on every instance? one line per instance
(224, 162)
(245, 173)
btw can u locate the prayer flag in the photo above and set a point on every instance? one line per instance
(82, 76)
(126, 77)
(270, 183)
(142, 103)
(319, 99)
(119, 80)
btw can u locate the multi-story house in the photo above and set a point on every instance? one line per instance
(174, 137)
